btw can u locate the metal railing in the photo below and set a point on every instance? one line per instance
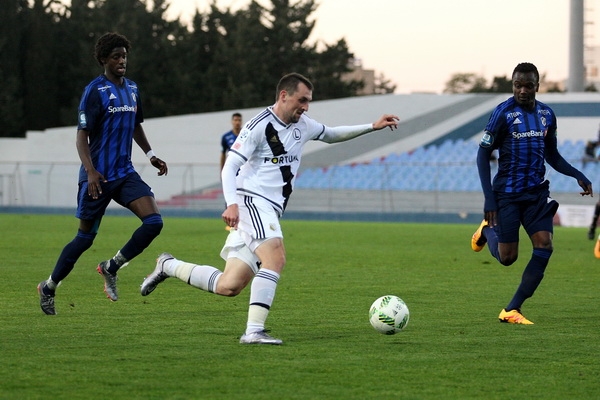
(432, 187)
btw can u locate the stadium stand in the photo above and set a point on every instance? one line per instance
(427, 165)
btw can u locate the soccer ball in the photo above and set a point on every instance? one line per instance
(389, 315)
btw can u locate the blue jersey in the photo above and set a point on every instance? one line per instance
(110, 114)
(521, 137)
(227, 141)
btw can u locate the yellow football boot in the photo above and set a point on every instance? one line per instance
(513, 317)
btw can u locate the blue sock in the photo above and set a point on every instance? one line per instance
(492, 241)
(70, 254)
(141, 238)
(532, 276)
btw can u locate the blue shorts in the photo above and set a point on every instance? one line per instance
(533, 209)
(123, 191)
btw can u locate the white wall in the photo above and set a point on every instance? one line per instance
(42, 168)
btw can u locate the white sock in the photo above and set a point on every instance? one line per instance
(51, 284)
(262, 293)
(205, 277)
(202, 277)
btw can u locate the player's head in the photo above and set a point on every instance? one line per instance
(107, 43)
(236, 122)
(290, 83)
(526, 82)
(294, 93)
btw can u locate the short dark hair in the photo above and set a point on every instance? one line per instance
(526, 68)
(290, 82)
(236, 114)
(107, 42)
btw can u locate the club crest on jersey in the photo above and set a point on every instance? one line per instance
(296, 134)
(133, 97)
(543, 120)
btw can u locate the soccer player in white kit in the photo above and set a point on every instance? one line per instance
(258, 179)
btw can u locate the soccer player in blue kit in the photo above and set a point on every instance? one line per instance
(110, 118)
(229, 137)
(524, 132)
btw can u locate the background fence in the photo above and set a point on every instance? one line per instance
(386, 187)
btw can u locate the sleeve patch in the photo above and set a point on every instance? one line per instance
(486, 140)
(82, 119)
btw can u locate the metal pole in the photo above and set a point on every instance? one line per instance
(575, 82)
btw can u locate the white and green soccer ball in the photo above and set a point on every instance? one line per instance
(389, 315)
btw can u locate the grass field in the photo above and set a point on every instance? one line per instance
(181, 343)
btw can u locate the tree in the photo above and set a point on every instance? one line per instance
(501, 84)
(465, 83)
(260, 44)
(39, 65)
(224, 60)
(327, 69)
(11, 112)
(383, 85)
(237, 75)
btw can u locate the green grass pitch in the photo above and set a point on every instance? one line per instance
(182, 343)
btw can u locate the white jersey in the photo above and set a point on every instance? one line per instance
(270, 151)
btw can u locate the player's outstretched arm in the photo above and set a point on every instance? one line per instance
(343, 133)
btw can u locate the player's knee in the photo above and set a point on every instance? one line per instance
(230, 286)
(228, 291)
(84, 240)
(153, 224)
(508, 260)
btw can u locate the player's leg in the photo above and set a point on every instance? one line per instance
(137, 196)
(538, 222)
(133, 193)
(262, 291)
(66, 262)
(503, 239)
(259, 228)
(241, 265)
(534, 271)
(592, 230)
(506, 253)
(146, 210)
(90, 215)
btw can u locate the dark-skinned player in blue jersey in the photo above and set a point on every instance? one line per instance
(524, 132)
(110, 118)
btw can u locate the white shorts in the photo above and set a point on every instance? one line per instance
(258, 221)
(236, 248)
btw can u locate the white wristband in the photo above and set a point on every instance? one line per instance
(150, 154)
